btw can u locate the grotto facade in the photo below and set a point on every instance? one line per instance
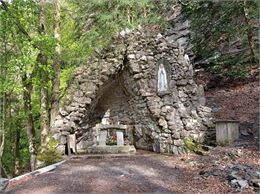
(140, 81)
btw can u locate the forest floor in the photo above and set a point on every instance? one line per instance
(145, 172)
(240, 103)
(236, 99)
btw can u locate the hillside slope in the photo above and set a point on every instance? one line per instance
(234, 99)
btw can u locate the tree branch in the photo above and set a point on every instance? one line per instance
(4, 6)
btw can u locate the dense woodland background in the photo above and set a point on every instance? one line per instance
(42, 41)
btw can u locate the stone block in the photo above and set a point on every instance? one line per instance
(58, 124)
(72, 142)
(227, 131)
(63, 113)
(175, 150)
(178, 142)
(66, 127)
(120, 138)
(103, 137)
(184, 133)
(111, 149)
(63, 139)
(176, 135)
(156, 146)
(163, 122)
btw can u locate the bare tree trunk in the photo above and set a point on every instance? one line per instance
(129, 15)
(145, 12)
(27, 95)
(17, 151)
(2, 119)
(44, 84)
(45, 127)
(3, 101)
(2, 150)
(56, 63)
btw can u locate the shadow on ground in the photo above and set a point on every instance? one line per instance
(134, 174)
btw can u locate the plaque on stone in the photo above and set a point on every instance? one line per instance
(103, 137)
(120, 138)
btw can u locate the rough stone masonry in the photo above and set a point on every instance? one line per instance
(123, 79)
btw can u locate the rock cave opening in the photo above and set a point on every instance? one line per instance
(111, 109)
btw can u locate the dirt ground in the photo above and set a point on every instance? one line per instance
(236, 99)
(239, 103)
(144, 172)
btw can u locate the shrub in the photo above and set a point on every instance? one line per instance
(193, 146)
(50, 155)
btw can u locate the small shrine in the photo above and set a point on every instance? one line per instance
(111, 138)
(138, 93)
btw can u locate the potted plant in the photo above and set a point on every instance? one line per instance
(111, 140)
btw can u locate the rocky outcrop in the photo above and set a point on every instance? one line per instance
(243, 176)
(180, 31)
(3, 184)
(123, 79)
(183, 32)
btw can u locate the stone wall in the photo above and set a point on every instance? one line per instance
(124, 79)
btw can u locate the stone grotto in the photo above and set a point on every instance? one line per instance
(141, 82)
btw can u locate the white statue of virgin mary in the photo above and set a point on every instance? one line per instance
(162, 79)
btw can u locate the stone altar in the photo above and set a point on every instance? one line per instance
(103, 148)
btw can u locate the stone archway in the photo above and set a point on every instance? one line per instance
(124, 80)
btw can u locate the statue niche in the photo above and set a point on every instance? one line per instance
(162, 77)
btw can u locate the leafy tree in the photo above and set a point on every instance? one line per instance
(223, 26)
(56, 62)
(97, 21)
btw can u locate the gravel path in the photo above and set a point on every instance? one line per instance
(132, 174)
(144, 172)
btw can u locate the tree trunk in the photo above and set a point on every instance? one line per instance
(42, 59)
(2, 151)
(2, 121)
(17, 151)
(56, 63)
(129, 15)
(45, 127)
(27, 95)
(145, 12)
(3, 100)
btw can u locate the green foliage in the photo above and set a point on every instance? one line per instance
(18, 58)
(65, 78)
(8, 160)
(24, 152)
(216, 26)
(193, 146)
(98, 20)
(51, 155)
(111, 142)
